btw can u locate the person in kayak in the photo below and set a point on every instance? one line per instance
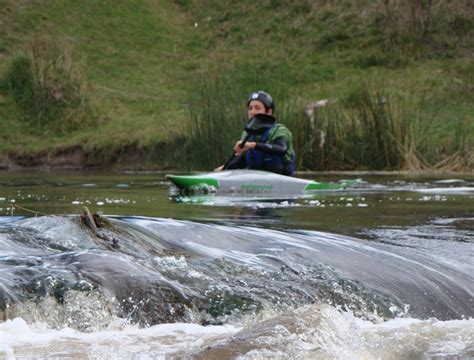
(273, 150)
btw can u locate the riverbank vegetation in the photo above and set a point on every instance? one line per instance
(366, 85)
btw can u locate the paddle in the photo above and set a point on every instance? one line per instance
(255, 126)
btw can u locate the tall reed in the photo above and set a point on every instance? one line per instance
(372, 126)
(218, 115)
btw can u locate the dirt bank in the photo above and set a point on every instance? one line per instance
(130, 157)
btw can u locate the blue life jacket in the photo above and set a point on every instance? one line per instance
(259, 160)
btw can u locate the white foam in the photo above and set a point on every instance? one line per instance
(449, 181)
(322, 332)
(312, 331)
(447, 190)
(23, 340)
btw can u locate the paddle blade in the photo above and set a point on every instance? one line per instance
(259, 123)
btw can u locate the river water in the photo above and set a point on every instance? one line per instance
(384, 269)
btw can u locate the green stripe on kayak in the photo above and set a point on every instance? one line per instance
(183, 181)
(314, 185)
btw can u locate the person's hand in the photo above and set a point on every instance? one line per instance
(248, 146)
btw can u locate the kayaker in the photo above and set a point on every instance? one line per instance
(273, 150)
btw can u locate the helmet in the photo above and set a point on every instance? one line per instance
(264, 97)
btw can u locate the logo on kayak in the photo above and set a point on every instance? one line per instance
(256, 188)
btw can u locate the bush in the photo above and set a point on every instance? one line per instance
(49, 87)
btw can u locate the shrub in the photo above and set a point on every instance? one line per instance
(49, 87)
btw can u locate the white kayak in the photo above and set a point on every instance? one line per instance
(253, 181)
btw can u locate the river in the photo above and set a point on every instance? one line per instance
(384, 269)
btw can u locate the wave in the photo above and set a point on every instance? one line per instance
(315, 331)
(163, 270)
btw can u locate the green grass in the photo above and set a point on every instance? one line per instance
(163, 75)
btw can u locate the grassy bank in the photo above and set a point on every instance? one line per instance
(165, 81)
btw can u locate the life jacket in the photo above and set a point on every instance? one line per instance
(259, 160)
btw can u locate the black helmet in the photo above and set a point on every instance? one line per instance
(264, 97)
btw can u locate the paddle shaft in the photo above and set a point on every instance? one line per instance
(241, 145)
